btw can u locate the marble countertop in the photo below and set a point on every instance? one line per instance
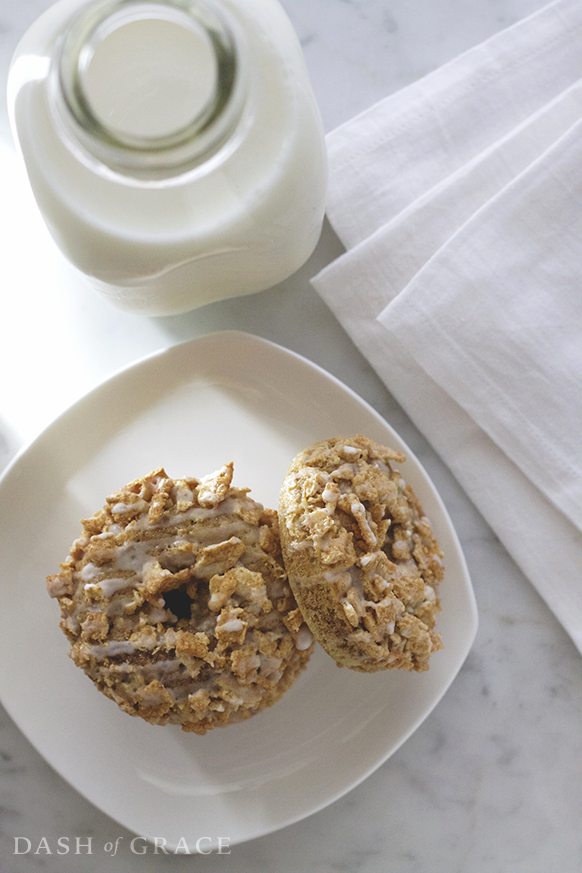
(492, 781)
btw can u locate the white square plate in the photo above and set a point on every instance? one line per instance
(191, 408)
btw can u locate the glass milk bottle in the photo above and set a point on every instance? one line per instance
(174, 147)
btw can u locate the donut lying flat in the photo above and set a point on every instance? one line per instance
(177, 605)
(362, 560)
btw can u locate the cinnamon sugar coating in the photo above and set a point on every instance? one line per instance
(363, 562)
(176, 602)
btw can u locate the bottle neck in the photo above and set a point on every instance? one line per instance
(149, 89)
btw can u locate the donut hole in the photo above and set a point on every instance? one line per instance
(179, 603)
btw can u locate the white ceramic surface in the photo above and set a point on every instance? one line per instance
(226, 396)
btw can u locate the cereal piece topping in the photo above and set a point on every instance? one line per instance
(212, 489)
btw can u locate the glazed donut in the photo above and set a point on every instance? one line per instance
(362, 560)
(176, 602)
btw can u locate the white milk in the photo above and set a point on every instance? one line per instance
(149, 77)
(172, 166)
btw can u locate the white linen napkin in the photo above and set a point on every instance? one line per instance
(459, 200)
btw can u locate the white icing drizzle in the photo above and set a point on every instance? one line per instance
(110, 650)
(183, 494)
(110, 586)
(90, 571)
(121, 508)
(233, 625)
(304, 638)
(429, 594)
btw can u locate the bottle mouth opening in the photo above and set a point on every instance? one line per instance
(149, 88)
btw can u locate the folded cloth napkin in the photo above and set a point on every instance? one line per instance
(459, 201)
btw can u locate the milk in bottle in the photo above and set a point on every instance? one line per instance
(175, 149)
